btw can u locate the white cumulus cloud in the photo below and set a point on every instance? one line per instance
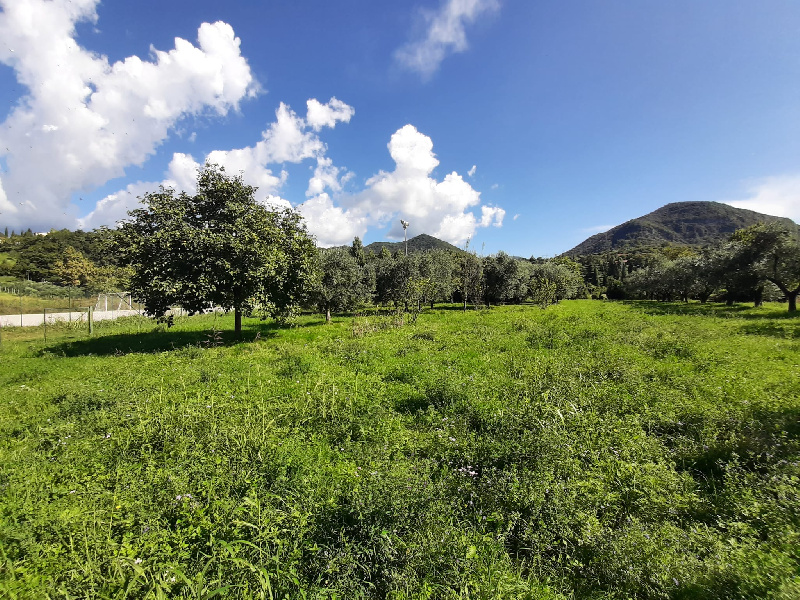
(443, 34)
(492, 215)
(290, 138)
(442, 208)
(326, 115)
(778, 196)
(332, 225)
(84, 119)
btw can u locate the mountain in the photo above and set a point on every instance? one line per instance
(678, 224)
(421, 243)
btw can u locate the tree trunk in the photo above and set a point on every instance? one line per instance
(237, 321)
(758, 297)
(792, 297)
(327, 313)
(431, 304)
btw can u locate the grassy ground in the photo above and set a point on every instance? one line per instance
(592, 450)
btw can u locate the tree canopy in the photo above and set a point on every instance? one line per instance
(218, 246)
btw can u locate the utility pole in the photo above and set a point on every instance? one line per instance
(405, 225)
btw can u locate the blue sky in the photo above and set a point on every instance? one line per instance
(525, 126)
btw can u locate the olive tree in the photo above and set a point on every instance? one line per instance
(341, 283)
(772, 253)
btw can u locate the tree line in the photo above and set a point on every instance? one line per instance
(757, 263)
(78, 259)
(220, 248)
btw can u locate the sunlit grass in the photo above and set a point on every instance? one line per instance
(594, 449)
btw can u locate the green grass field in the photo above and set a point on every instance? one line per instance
(591, 450)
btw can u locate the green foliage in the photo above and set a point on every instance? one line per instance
(771, 252)
(501, 278)
(219, 246)
(73, 268)
(593, 450)
(470, 282)
(554, 280)
(342, 282)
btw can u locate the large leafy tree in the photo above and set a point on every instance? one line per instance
(218, 246)
(771, 252)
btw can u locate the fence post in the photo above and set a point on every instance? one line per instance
(91, 320)
(44, 314)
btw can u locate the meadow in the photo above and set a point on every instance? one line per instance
(589, 450)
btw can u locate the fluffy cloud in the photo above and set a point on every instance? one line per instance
(332, 225)
(288, 139)
(444, 33)
(778, 196)
(326, 115)
(442, 208)
(85, 119)
(492, 215)
(115, 207)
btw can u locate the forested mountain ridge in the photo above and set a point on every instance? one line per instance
(680, 224)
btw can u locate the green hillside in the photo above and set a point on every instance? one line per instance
(421, 243)
(679, 223)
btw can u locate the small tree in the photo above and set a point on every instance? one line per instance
(357, 251)
(341, 282)
(471, 278)
(500, 273)
(219, 246)
(73, 268)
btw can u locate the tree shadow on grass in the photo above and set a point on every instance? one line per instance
(151, 342)
(784, 330)
(738, 311)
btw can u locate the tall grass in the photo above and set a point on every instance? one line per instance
(592, 450)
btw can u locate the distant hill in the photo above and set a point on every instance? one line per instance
(679, 224)
(421, 243)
